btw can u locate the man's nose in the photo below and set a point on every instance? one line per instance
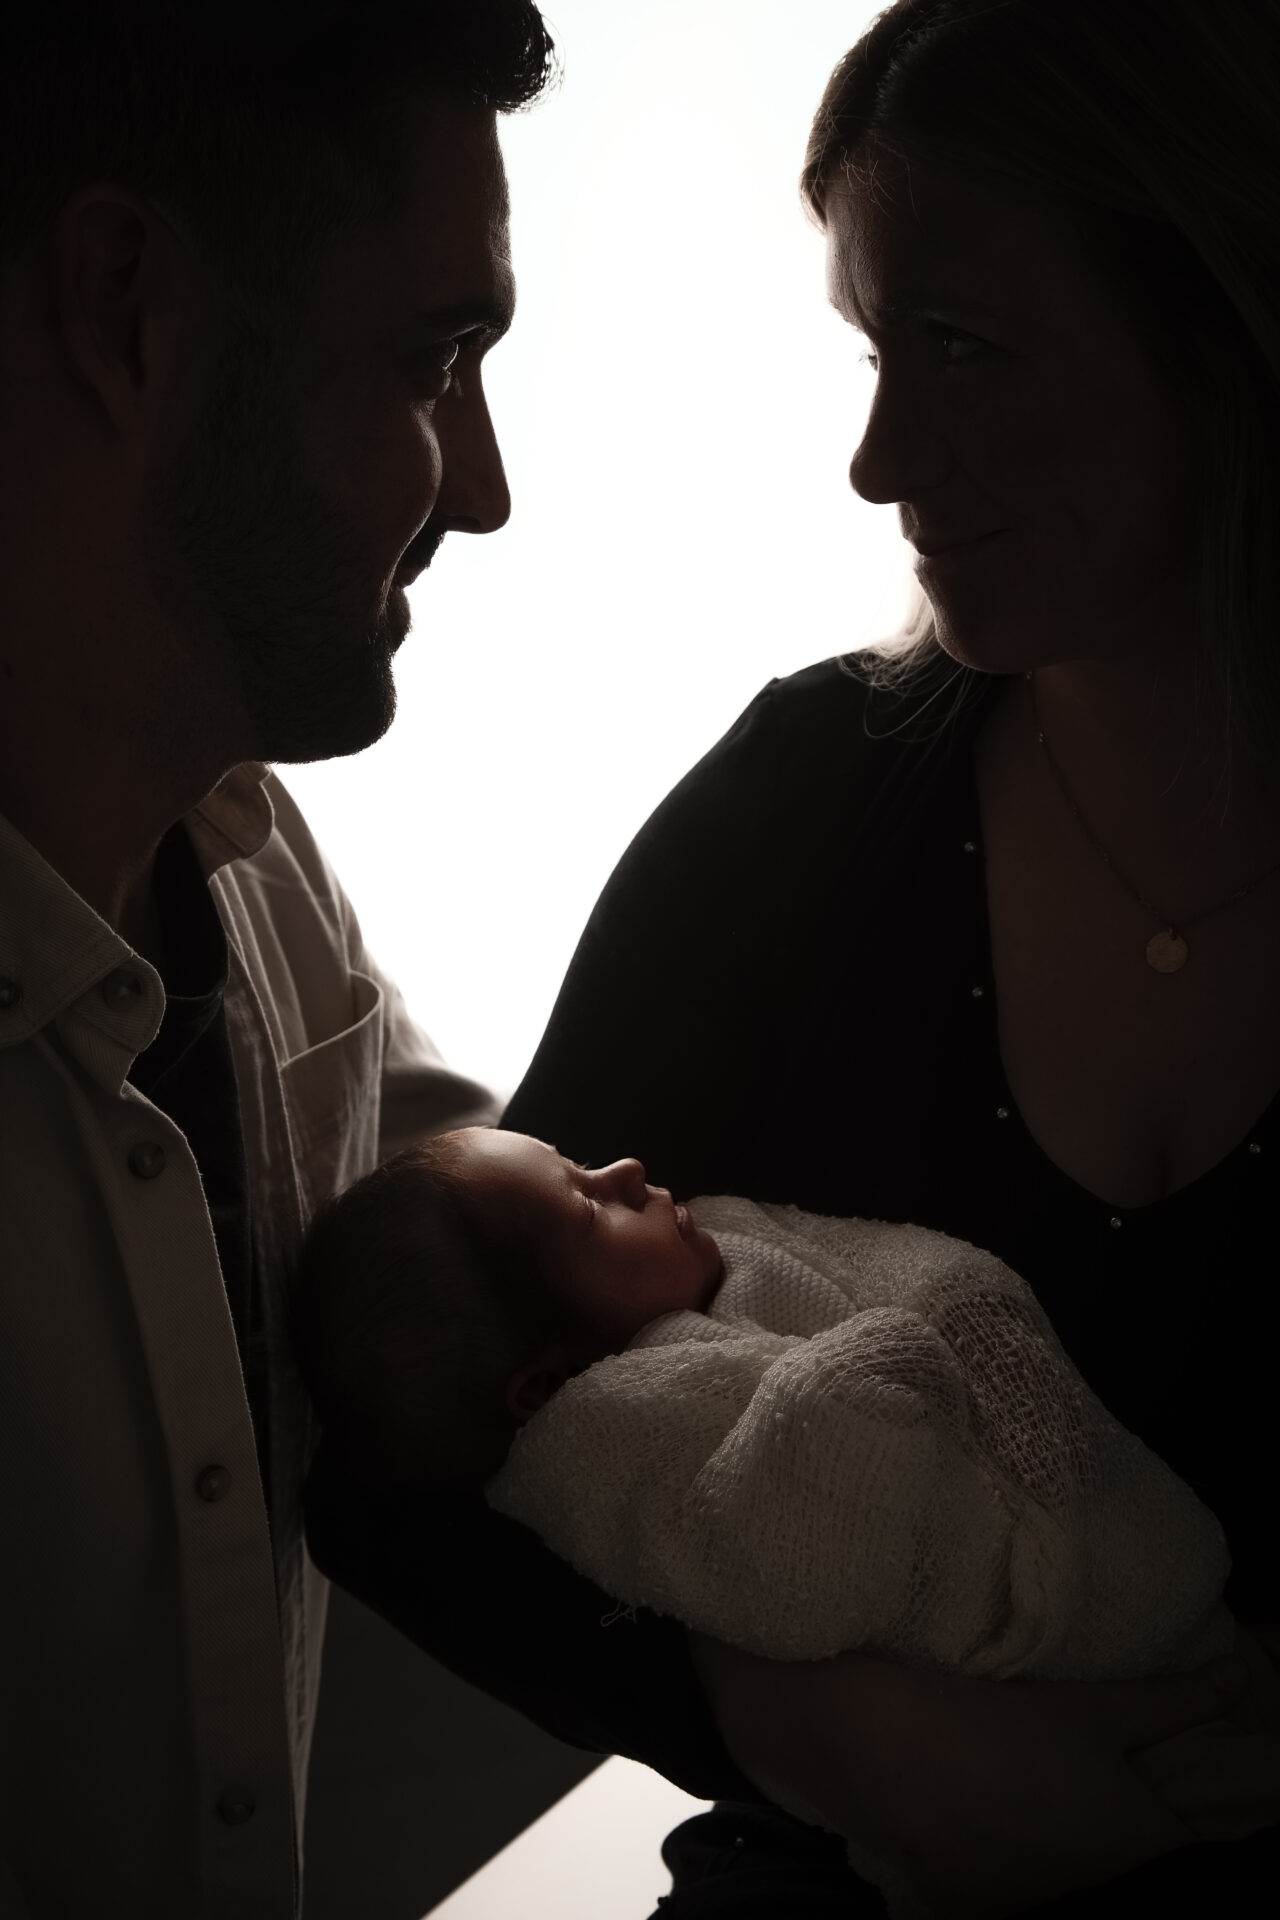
(474, 495)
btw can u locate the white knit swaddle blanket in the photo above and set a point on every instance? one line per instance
(873, 1440)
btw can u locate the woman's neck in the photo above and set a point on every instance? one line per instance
(1147, 760)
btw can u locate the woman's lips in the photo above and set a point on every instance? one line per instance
(956, 556)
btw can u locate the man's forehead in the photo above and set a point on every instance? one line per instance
(450, 157)
(458, 260)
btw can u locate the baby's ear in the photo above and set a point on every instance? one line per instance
(531, 1387)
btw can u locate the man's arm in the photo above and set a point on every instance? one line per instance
(482, 1595)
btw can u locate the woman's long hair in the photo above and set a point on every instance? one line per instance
(1159, 119)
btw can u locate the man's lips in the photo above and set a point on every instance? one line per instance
(421, 560)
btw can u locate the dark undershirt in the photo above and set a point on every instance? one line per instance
(187, 1072)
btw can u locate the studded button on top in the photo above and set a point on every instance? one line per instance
(1116, 1221)
(236, 1806)
(1254, 1147)
(122, 989)
(10, 994)
(146, 1159)
(213, 1482)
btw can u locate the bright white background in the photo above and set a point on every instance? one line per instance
(677, 405)
(597, 1855)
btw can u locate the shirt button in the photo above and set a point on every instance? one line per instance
(236, 1806)
(122, 990)
(10, 994)
(1254, 1147)
(213, 1482)
(146, 1160)
(1116, 1221)
(971, 846)
(1002, 1113)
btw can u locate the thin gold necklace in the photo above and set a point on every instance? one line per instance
(1167, 949)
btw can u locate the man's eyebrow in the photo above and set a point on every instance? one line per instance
(490, 317)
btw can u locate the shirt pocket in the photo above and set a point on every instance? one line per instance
(333, 1093)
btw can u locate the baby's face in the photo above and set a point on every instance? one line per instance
(617, 1251)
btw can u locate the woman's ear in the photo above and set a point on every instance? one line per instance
(531, 1387)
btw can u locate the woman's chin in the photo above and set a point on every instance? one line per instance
(992, 648)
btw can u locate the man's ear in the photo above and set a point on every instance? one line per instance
(531, 1387)
(119, 272)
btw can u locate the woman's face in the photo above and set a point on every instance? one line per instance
(1017, 406)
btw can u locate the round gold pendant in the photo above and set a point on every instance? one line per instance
(1166, 951)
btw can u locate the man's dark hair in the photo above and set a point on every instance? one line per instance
(265, 128)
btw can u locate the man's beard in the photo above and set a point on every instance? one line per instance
(282, 622)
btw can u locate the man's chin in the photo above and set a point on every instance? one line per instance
(339, 727)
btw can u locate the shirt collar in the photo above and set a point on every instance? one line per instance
(54, 947)
(235, 820)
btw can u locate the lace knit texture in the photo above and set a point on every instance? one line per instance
(873, 1440)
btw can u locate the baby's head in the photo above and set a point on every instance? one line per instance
(442, 1299)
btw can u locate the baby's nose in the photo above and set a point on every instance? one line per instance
(628, 1177)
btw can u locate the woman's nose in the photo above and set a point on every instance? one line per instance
(898, 455)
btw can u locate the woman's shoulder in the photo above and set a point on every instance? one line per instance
(898, 705)
(837, 731)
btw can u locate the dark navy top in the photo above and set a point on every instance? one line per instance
(786, 992)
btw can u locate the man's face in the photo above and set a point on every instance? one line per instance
(325, 468)
(1016, 397)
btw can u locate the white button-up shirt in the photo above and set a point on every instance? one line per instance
(159, 1651)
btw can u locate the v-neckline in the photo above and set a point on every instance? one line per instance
(1005, 1106)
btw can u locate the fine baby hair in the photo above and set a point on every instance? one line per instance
(410, 1309)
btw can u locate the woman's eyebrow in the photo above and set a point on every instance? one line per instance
(909, 303)
(913, 300)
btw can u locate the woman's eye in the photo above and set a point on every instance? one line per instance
(968, 347)
(966, 343)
